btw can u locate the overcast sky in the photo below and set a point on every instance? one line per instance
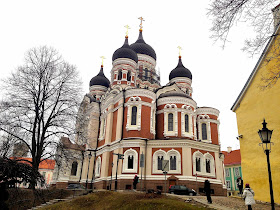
(82, 31)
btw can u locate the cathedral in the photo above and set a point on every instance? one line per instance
(132, 125)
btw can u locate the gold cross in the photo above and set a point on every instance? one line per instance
(127, 27)
(142, 19)
(102, 57)
(180, 48)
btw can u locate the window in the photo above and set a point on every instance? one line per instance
(197, 161)
(98, 167)
(186, 123)
(236, 172)
(128, 76)
(227, 172)
(172, 162)
(74, 168)
(208, 166)
(204, 131)
(119, 75)
(159, 162)
(130, 162)
(170, 122)
(133, 115)
(44, 175)
(228, 185)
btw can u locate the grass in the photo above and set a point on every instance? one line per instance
(124, 201)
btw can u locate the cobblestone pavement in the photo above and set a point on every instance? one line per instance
(227, 203)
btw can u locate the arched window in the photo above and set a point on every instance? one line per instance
(133, 115)
(74, 168)
(170, 122)
(186, 123)
(159, 162)
(128, 76)
(204, 131)
(208, 166)
(172, 162)
(130, 162)
(119, 75)
(197, 163)
(98, 167)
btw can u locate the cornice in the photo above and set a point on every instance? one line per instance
(140, 92)
(207, 110)
(176, 100)
(148, 58)
(121, 61)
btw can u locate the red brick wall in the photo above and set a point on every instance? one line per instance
(214, 133)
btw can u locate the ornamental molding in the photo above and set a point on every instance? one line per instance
(207, 110)
(176, 100)
(140, 92)
(98, 88)
(122, 61)
(146, 58)
(181, 79)
(165, 89)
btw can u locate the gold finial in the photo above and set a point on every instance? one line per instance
(102, 57)
(180, 48)
(142, 19)
(127, 27)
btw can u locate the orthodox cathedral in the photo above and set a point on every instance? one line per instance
(132, 125)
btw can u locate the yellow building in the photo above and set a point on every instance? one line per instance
(259, 99)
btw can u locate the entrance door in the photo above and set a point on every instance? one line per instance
(172, 182)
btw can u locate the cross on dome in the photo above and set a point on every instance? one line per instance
(141, 19)
(102, 59)
(180, 48)
(127, 27)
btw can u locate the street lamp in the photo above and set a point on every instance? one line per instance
(265, 135)
(89, 157)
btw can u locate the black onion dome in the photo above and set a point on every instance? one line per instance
(100, 79)
(141, 47)
(125, 52)
(180, 71)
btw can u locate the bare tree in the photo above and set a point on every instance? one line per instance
(226, 14)
(41, 102)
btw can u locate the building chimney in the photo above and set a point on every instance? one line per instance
(276, 15)
(229, 149)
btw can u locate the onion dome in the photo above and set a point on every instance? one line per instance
(141, 47)
(125, 52)
(180, 71)
(100, 79)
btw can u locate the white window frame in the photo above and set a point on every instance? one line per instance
(102, 128)
(227, 172)
(127, 153)
(134, 101)
(174, 152)
(153, 118)
(159, 152)
(236, 169)
(228, 184)
(204, 119)
(170, 108)
(203, 164)
(187, 110)
(98, 167)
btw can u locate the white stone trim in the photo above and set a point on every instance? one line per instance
(98, 167)
(203, 164)
(207, 110)
(173, 152)
(134, 101)
(153, 118)
(170, 108)
(123, 61)
(127, 153)
(159, 152)
(140, 92)
(176, 100)
(186, 109)
(208, 128)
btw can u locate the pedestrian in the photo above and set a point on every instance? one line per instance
(135, 181)
(248, 196)
(207, 190)
(240, 185)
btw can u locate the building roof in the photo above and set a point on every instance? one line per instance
(180, 71)
(141, 47)
(232, 158)
(125, 52)
(255, 70)
(100, 79)
(69, 145)
(45, 164)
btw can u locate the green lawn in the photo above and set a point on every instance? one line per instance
(126, 200)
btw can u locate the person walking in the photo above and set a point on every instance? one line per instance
(135, 181)
(248, 196)
(240, 185)
(207, 190)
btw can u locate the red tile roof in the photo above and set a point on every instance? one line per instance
(46, 164)
(232, 158)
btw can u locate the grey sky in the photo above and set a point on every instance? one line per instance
(82, 31)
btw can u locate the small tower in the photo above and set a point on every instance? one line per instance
(125, 60)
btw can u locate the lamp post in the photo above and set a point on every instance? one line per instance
(265, 136)
(89, 157)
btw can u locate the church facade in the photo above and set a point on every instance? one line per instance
(134, 116)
